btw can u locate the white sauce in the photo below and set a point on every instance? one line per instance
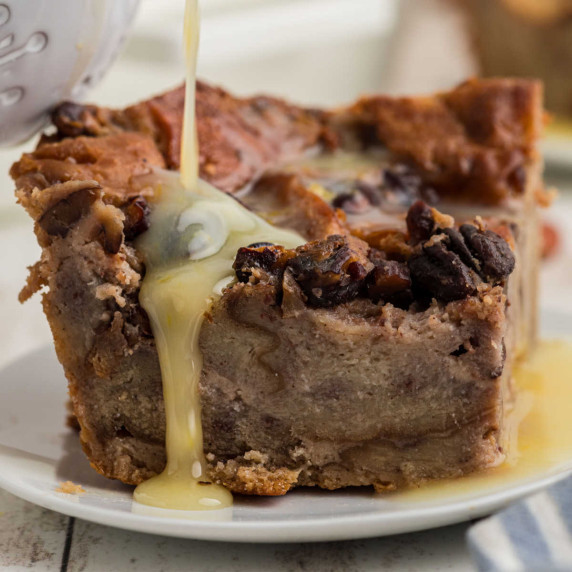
(189, 250)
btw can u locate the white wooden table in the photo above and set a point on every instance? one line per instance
(38, 539)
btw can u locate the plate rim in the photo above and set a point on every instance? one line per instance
(321, 529)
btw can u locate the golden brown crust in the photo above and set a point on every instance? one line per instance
(254, 479)
(112, 161)
(237, 137)
(473, 143)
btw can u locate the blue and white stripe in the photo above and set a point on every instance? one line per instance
(533, 535)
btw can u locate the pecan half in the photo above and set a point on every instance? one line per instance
(456, 243)
(441, 273)
(387, 279)
(491, 250)
(60, 218)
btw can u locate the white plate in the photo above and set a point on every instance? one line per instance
(37, 453)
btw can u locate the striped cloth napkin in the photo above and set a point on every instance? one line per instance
(532, 535)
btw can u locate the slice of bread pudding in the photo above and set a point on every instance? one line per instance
(379, 353)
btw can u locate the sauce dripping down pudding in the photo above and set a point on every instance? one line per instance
(189, 250)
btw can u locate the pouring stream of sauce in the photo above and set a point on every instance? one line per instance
(189, 250)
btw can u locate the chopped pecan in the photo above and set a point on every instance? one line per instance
(445, 264)
(331, 271)
(492, 251)
(456, 243)
(387, 279)
(449, 262)
(109, 232)
(261, 261)
(59, 219)
(392, 242)
(111, 238)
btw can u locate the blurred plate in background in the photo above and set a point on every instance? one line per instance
(312, 51)
(557, 144)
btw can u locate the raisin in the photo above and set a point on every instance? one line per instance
(441, 273)
(352, 203)
(491, 250)
(330, 271)
(137, 214)
(420, 221)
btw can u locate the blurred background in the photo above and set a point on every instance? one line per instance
(325, 52)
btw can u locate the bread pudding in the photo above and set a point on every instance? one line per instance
(379, 353)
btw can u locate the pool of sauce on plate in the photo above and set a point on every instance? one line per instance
(189, 250)
(539, 429)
